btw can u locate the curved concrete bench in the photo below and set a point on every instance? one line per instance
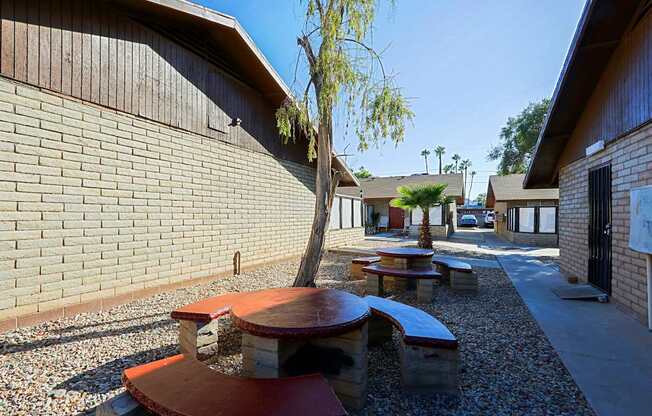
(458, 273)
(358, 263)
(180, 385)
(429, 351)
(199, 321)
(424, 277)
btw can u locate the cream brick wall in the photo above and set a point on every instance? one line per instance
(631, 166)
(95, 203)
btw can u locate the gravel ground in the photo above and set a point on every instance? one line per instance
(508, 367)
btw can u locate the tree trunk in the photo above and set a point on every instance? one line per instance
(440, 164)
(426, 159)
(325, 187)
(425, 239)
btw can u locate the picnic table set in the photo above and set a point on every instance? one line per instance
(302, 346)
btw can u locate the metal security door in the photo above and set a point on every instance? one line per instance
(600, 228)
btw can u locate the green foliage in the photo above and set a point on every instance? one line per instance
(518, 138)
(363, 173)
(421, 196)
(456, 159)
(344, 70)
(440, 151)
(449, 168)
(481, 198)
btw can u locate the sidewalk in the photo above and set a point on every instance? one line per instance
(608, 354)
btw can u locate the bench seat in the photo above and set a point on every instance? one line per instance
(180, 385)
(459, 274)
(375, 274)
(199, 324)
(358, 263)
(429, 351)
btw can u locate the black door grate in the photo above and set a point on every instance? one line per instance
(600, 228)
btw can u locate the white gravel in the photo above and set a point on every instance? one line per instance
(71, 365)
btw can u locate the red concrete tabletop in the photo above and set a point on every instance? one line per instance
(299, 312)
(405, 252)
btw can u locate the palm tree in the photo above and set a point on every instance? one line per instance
(439, 151)
(425, 153)
(450, 168)
(423, 197)
(473, 173)
(464, 166)
(456, 158)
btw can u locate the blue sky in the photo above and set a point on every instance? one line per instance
(466, 65)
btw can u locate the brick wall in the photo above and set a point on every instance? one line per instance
(343, 237)
(95, 203)
(631, 166)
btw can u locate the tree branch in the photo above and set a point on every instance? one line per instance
(304, 42)
(371, 52)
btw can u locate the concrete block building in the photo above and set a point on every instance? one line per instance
(596, 146)
(378, 191)
(523, 216)
(139, 152)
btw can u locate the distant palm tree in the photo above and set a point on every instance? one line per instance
(456, 158)
(464, 166)
(439, 151)
(450, 168)
(473, 173)
(423, 197)
(425, 153)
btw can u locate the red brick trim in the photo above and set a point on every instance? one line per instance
(97, 305)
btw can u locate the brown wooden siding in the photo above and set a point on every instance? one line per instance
(92, 52)
(622, 100)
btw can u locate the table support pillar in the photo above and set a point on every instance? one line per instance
(425, 290)
(374, 284)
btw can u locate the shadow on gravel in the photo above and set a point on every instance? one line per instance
(108, 376)
(74, 327)
(58, 340)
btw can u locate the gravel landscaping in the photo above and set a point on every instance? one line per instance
(507, 365)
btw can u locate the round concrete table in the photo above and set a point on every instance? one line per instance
(402, 267)
(280, 326)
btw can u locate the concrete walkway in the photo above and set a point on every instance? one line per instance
(607, 353)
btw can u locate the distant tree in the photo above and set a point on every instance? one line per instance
(473, 173)
(343, 73)
(456, 159)
(464, 167)
(423, 197)
(450, 168)
(518, 138)
(481, 199)
(439, 151)
(362, 173)
(425, 153)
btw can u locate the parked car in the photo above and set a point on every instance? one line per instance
(468, 221)
(489, 219)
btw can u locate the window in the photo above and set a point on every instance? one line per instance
(548, 220)
(335, 214)
(436, 216)
(357, 213)
(347, 220)
(532, 220)
(526, 220)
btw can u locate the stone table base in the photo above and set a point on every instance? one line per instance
(266, 357)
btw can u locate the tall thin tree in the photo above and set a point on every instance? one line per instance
(464, 167)
(439, 151)
(456, 159)
(342, 69)
(425, 153)
(473, 173)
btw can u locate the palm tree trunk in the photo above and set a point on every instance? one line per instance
(324, 193)
(425, 239)
(426, 159)
(440, 163)
(470, 187)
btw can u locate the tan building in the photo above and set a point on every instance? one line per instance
(139, 152)
(596, 146)
(378, 191)
(523, 216)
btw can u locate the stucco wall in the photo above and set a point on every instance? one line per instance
(95, 203)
